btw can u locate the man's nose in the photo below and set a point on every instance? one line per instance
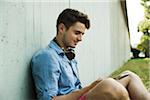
(80, 37)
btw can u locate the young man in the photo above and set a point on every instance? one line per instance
(55, 74)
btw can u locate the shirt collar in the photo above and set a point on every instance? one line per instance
(54, 45)
(58, 49)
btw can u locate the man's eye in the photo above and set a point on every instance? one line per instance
(77, 33)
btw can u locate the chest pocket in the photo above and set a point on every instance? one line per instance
(68, 74)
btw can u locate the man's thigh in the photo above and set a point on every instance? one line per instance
(108, 89)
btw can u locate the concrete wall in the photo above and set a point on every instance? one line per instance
(27, 25)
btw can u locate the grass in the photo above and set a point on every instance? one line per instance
(139, 66)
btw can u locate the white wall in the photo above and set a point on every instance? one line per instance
(105, 46)
(27, 26)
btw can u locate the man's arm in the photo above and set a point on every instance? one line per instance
(45, 71)
(76, 94)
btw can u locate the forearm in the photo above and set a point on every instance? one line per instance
(76, 94)
(70, 96)
(73, 95)
(89, 87)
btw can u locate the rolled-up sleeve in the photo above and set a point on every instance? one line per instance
(45, 71)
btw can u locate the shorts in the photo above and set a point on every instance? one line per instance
(83, 97)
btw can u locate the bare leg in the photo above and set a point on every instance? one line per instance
(135, 87)
(108, 89)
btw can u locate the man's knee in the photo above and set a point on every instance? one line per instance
(115, 90)
(117, 94)
(108, 89)
(130, 74)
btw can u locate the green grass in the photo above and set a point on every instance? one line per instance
(139, 66)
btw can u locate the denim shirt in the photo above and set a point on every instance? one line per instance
(53, 73)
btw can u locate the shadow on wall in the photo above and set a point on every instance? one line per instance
(31, 90)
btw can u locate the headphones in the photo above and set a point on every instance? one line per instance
(70, 53)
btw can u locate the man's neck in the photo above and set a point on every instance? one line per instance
(60, 43)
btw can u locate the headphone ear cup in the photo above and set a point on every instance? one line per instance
(70, 54)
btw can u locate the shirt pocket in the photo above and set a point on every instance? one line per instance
(67, 77)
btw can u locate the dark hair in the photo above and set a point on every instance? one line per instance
(70, 16)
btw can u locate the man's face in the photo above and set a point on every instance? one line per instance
(73, 35)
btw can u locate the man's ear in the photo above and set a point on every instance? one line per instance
(61, 28)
